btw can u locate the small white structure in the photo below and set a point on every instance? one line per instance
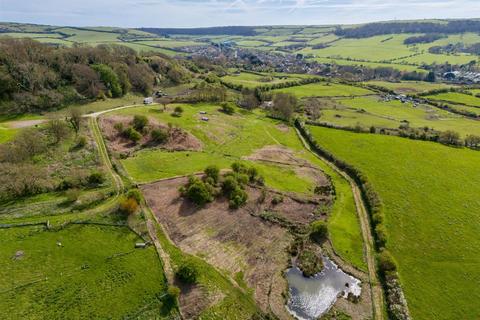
(148, 100)
(205, 119)
(140, 245)
(203, 112)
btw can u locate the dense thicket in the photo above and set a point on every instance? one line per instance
(375, 29)
(426, 38)
(37, 77)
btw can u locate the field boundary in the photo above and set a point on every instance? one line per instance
(375, 289)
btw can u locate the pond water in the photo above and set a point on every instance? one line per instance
(312, 297)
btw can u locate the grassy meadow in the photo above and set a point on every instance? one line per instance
(456, 97)
(430, 200)
(85, 271)
(325, 89)
(373, 111)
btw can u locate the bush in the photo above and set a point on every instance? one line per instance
(177, 111)
(132, 134)
(229, 184)
(227, 108)
(381, 235)
(128, 206)
(238, 198)
(81, 142)
(319, 231)
(198, 192)
(173, 292)
(187, 273)
(140, 122)
(159, 135)
(239, 167)
(134, 194)
(212, 172)
(252, 174)
(119, 127)
(72, 195)
(386, 263)
(96, 178)
(450, 137)
(277, 199)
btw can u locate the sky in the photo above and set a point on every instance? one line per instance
(204, 13)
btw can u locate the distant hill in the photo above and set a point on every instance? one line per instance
(231, 30)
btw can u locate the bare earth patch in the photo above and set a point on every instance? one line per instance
(233, 240)
(24, 123)
(178, 139)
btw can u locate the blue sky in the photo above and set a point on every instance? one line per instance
(195, 13)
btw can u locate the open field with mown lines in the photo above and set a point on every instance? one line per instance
(429, 196)
(85, 271)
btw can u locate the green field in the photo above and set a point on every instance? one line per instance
(456, 97)
(430, 199)
(252, 80)
(345, 62)
(410, 86)
(325, 89)
(373, 111)
(95, 272)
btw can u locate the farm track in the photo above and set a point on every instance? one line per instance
(375, 286)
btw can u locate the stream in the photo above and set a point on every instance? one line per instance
(312, 297)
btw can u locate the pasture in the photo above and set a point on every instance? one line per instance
(373, 111)
(325, 89)
(429, 192)
(457, 97)
(252, 80)
(86, 271)
(409, 87)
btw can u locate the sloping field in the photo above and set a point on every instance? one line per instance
(430, 196)
(325, 89)
(409, 86)
(456, 97)
(372, 111)
(86, 272)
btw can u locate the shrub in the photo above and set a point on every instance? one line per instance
(173, 292)
(119, 127)
(310, 263)
(134, 194)
(450, 137)
(96, 178)
(72, 195)
(132, 134)
(239, 167)
(386, 263)
(178, 111)
(140, 122)
(212, 172)
(381, 235)
(318, 231)
(198, 192)
(229, 184)
(159, 135)
(277, 199)
(187, 273)
(252, 174)
(238, 198)
(128, 206)
(81, 142)
(227, 108)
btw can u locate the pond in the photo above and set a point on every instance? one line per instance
(312, 297)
